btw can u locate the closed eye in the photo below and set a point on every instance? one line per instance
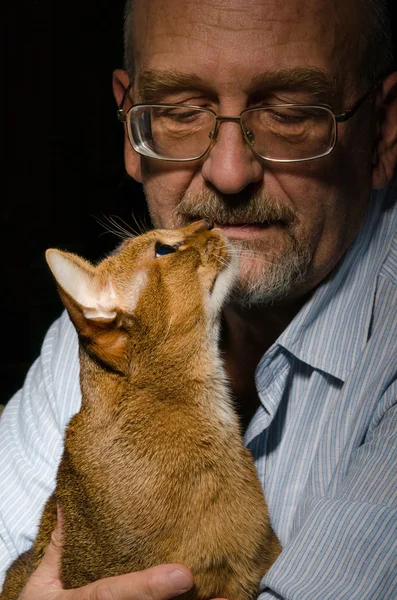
(163, 249)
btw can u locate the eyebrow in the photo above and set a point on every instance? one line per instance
(305, 79)
(152, 82)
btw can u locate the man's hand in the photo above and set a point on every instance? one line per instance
(158, 583)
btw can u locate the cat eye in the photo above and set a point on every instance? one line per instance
(163, 249)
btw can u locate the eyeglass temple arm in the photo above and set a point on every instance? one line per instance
(120, 111)
(351, 111)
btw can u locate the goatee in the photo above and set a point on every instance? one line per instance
(269, 270)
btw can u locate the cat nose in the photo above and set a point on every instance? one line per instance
(204, 225)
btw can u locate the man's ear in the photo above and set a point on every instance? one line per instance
(132, 159)
(385, 150)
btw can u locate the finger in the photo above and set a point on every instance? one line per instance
(158, 583)
(48, 572)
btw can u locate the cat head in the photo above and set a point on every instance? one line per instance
(163, 285)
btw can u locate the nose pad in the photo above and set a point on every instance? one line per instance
(249, 134)
(231, 163)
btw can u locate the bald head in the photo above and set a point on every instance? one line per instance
(372, 50)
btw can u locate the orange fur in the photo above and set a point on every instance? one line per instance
(154, 468)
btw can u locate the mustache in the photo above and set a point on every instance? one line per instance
(234, 209)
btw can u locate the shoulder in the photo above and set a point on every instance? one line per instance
(31, 437)
(58, 369)
(51, 391)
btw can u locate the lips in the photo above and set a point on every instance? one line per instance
(248, 230)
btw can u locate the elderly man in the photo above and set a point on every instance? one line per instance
(290, 148)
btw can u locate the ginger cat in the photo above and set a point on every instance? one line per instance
(154, 468)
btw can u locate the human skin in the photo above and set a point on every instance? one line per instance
(226, 44)
(158, 583)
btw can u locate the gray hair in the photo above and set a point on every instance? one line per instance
(378, 56)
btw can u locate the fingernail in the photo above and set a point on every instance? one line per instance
(180, 581)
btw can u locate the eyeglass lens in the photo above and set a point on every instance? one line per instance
(274, 132)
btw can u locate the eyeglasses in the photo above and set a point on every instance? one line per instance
(275, 132)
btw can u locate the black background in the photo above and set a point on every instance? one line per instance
(62, 159)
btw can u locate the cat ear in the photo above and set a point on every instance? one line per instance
(91, 303)
(77, 278)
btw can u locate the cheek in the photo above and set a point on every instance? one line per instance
(301, 188)
(320, 195)
(330, 198)
(164, 184)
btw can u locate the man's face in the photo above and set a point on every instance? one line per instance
(291, 223)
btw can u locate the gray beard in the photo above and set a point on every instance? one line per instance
(268, 282)
(267, 279)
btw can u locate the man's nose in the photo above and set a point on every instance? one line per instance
(230, 165)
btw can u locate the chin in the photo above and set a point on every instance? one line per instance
(268, 275)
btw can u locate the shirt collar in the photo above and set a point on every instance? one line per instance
(333, 327)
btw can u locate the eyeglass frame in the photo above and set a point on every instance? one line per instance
(341, 118)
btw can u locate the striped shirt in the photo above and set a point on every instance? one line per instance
(324, 437)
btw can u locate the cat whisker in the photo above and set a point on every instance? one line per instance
(258, 258)
(241, 242)
(256, 255)
(222, 261)
(141, 225)
(115, 226)
(123, 226)
(245, 251)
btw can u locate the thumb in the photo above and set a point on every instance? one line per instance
(48, 571)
